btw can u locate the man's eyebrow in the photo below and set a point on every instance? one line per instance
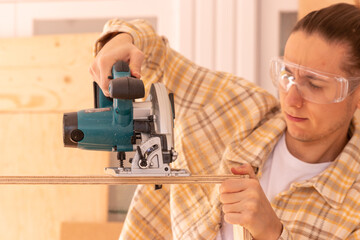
(288, 69)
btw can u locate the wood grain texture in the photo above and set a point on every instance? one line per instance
(120, 180)
(40, 78)
(47, 73)
(90, 230)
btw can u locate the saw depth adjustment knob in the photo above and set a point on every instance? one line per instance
(142, 161)
(143, 158)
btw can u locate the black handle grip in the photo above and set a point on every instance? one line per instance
(127, 88)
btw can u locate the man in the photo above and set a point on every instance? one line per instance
(306, 151)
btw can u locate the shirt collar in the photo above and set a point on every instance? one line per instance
(255, 147)
(332, 184)
(335, 182)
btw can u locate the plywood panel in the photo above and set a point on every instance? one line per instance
(31, 144)
(40, 78)
(46, 73)
(90, 231)
(36, 212)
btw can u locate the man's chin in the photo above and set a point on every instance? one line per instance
(300, 136)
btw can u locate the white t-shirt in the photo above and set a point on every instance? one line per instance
(279, 171)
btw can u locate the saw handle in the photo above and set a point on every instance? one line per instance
(126, 88)
(123, 86)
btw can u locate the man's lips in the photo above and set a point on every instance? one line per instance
(295, 119)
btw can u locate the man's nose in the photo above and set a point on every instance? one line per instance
(293, 97)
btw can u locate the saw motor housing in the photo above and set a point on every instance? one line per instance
(120, 124)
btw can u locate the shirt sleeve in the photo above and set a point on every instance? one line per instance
(193, 86)
(285, 234)
(210, 107)
(354, 235)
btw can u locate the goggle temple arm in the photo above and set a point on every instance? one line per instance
(343, 90)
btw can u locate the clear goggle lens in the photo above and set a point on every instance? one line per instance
(313, 85)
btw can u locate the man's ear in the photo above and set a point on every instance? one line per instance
(357, 97)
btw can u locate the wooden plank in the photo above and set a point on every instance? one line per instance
(109, 180)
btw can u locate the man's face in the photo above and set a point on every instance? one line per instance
(308, 121)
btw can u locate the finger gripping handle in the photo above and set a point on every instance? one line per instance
(121, 66)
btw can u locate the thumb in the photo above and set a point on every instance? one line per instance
(136, 60)
(244, 169)
(104, 82)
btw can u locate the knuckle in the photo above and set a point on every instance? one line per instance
(92, 67)
(254, 183)
(251, 217)
(247, 218)
(235, 218)
(141, 54)
(228, 218)
(222, 197)
(252, 195)
(224, 186)
(251, 207)
(138, 54)
(101, 61)
(225, 208)
(137, 51)
(103, 85)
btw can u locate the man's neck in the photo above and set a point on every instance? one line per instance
(316, 151)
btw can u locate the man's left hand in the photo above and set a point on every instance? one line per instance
(245, 203)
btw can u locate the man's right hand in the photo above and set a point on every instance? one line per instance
(120, 47)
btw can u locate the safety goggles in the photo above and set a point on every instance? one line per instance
(313, 85)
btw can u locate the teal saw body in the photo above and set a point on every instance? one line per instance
(119, 124)
(108, 126)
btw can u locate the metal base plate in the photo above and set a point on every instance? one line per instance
(117, 172)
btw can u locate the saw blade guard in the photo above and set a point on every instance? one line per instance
(163, 111)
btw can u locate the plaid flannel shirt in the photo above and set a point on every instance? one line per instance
(222, 120)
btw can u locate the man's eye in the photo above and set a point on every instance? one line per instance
(314, 86)
(314, 82)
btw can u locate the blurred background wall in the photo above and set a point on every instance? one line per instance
(238, 36)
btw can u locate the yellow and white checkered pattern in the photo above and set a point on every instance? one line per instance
(222, 120)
